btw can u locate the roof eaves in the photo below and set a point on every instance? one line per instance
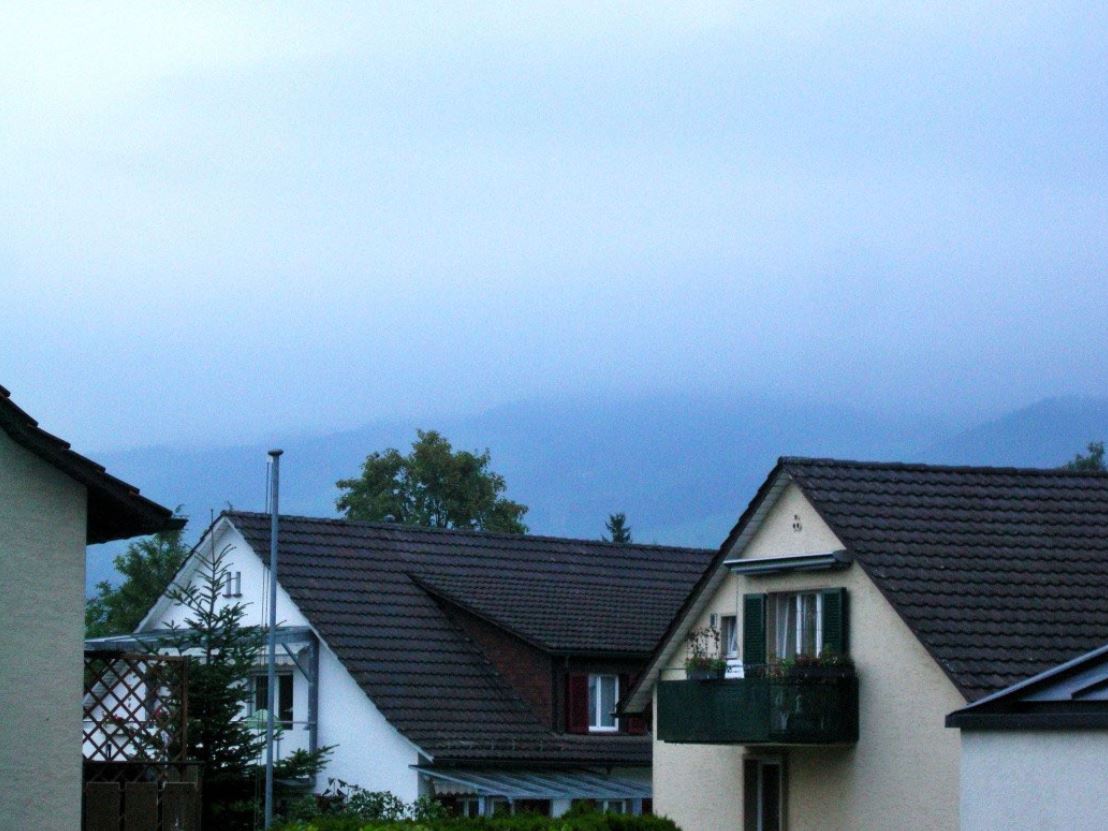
(636, 700)
(980, 712)
(793, 465)
(116, 509)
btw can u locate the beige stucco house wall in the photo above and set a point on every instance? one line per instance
(903, 773)
(42, 582)
(53, 502)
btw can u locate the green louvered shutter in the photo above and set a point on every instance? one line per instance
(836, 633)
(754, 630)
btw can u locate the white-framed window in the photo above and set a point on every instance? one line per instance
(232, 584)
(729, 636)
(603, 695)
(796, 624)
(283, 710)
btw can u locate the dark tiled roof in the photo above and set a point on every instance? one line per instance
(115, 508)
(1001, 573)
(367, 588)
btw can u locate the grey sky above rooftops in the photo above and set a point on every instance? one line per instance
(223, 222)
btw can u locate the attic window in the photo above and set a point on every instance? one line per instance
(232, 584)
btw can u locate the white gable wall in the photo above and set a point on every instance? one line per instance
(902, 773)
(369, 751)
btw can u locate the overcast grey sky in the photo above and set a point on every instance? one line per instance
(224, 221)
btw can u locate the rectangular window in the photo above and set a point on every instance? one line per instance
(728, 636)
(232, 584)
(283, 714)
(796, 624)
(468, 806)
(763, 795)
(603, 695)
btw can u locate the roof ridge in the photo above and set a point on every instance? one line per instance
(421, 529)
(788, 461)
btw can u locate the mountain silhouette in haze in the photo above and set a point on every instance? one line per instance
(682, 468)
(1047, 433)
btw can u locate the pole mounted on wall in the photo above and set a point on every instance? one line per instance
(271, 658)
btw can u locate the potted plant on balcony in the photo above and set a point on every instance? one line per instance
(702, 661)
(825, 665)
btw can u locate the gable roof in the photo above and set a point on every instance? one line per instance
(116, 510)
(367, 588)
(1073, 695)
(1000, 573)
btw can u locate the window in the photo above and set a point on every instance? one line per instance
(283, 714)
(605, 806)
(232, 584)
(729, 636)
(603, 695)
(796, 623)
(468, 806)
(785, 625)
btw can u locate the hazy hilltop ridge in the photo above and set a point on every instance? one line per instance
(681, 467)
(1044, 434)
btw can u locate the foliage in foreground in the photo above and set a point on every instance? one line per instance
(345, 807)
(523, 822)
(223, 653)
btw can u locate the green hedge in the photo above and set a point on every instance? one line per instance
(582, 822)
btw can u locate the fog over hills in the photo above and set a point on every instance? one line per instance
(681, 467)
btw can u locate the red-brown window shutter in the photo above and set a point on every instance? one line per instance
(577, 702)
(634, 725)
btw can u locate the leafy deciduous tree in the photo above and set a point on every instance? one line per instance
(147, 566)
(433, 486)
(1094, 460)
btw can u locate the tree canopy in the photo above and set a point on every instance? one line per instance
(1092, 460)
(147, 566)
(432, 486)
(618, 529)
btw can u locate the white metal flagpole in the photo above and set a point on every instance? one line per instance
(271, 674)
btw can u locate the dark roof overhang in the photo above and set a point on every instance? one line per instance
(116, 510)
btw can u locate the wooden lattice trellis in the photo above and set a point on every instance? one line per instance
(135, 707)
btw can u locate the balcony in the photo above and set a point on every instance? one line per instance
(771, 711)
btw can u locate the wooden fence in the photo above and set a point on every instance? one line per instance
(172, 804)
(136, 773)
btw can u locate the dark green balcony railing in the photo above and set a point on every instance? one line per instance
(791, 710)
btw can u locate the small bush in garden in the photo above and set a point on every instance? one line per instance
(527, 822)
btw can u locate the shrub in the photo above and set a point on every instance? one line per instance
(524, 822)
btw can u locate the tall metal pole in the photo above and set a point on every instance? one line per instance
(271, 675)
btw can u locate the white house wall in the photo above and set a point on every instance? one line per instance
(369, 751)
(902, 773)
(42, 581)
(240, 557)
(1041, 780)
